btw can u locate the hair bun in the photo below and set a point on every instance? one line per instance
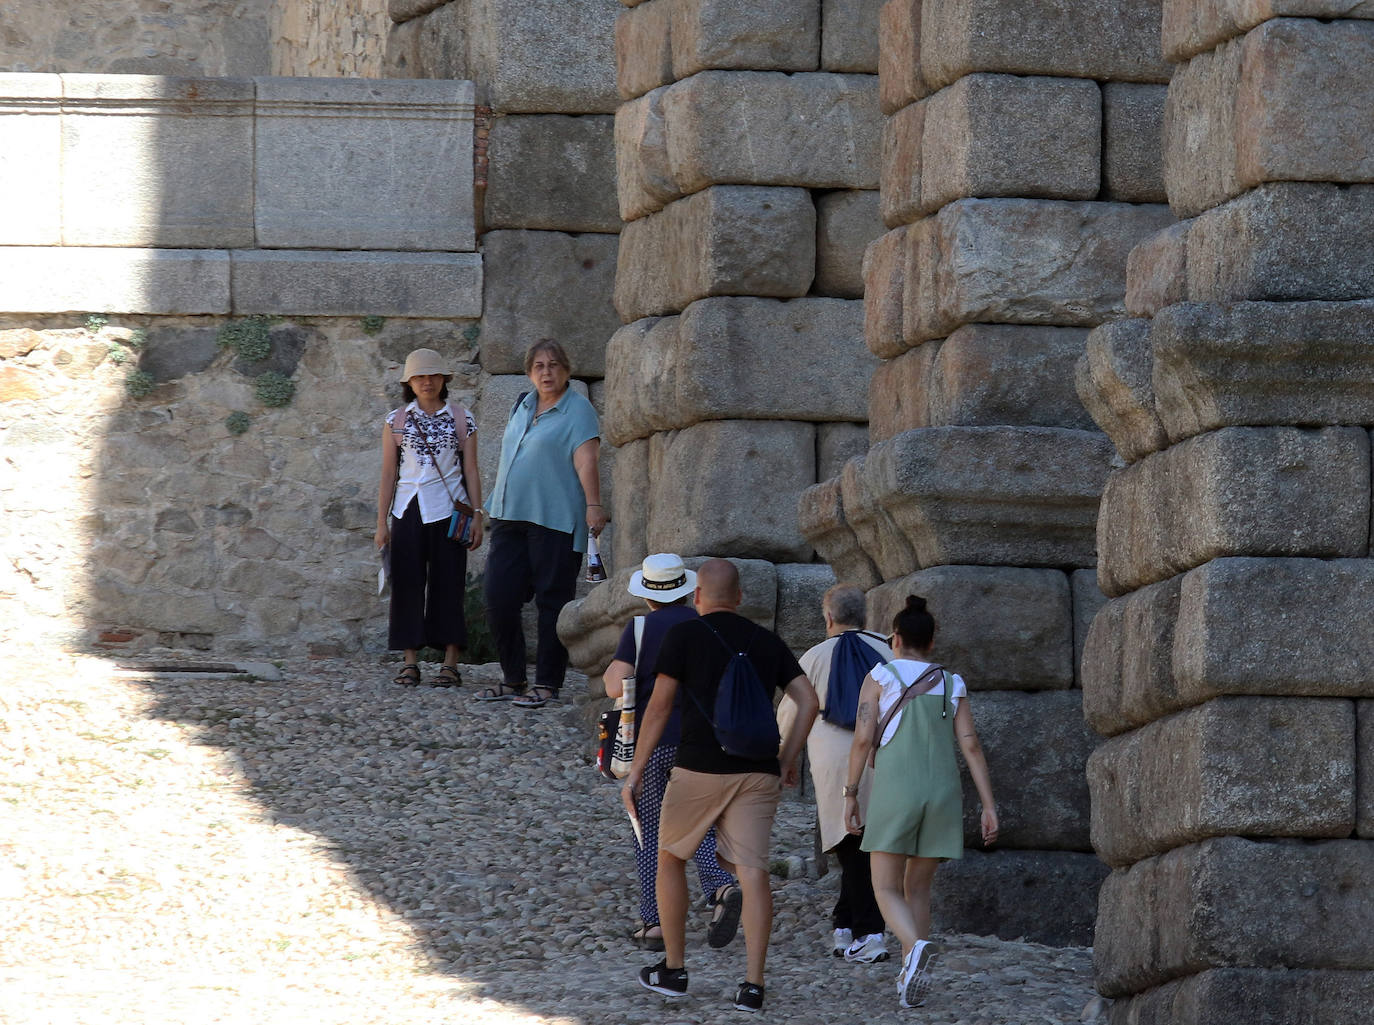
(915, 603)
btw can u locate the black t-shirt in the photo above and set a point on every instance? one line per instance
(693, 656)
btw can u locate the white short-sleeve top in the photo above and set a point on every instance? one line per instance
(908, 670)
(431, 443)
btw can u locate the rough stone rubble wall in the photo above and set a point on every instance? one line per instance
(547, 216)
(1020, 164)
(329, 38)
(747, 157)
(1234, 664)
(135, 512)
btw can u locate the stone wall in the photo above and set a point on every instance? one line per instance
(143, 37)
(196, 351)
(1020, 164)
(1233, 666)
(329, 38)
(747, 156)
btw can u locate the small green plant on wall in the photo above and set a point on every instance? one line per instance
(274, 389)
(237, 422)
(95, 322)
(373, 325)
(139, 383)
(250, 338)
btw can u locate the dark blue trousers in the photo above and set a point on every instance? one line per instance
(528, 561)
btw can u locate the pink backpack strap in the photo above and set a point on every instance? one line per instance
(460, 419)
(398, 424)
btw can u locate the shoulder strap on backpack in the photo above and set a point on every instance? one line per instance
(926, 681)
(398, 424)
(639, 640)
(518, 399)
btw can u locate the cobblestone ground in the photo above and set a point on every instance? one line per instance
(328, 848)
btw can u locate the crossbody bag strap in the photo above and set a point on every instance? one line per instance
(639, 640)
(925, 682)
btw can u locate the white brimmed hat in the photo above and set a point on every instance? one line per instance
(662, 578)
(424, 361)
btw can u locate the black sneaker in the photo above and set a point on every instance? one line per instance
(671, 982)
(749, 997)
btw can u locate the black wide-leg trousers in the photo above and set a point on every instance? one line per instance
(428, 578)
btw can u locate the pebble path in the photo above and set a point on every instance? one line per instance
(327, 848)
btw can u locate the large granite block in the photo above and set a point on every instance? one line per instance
(1088, 601)
(79, 279)
(644, 177)
(1364, 762)
(1127, 661)
(1000, 627)
(725, 240)
(837, 442)
(1303, 364)
(31, 159)
(899, 393)
(1115, 381)
(901, 165)
(643, 48)
(1014, 496)
(847, 221)
(1021, 261)
(322, 284)
(433, 45)
(695, 474)
(768, 128)
(1005, 135)
(552, 172)
(717, 365)
(849, 35)
(629, 508)
(1275, 491)
(1045, 897)
(884, 287)
(1291, 101)
(899, 55)
(363, 164)
(1036, 747)
(1283, 242)
(881, 539)
(184, 148)
(1226, 641)
(543, 56)
(1157, 271)
(1104, 39)
(1132, 142)
(821, 520)
(544, 284)
(1235, 766)
(800, 621)
(1191, 26)
(1234, 902)
(768, 35)
(988, 375)
(1219, 996)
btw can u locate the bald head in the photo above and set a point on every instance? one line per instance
(718, 585)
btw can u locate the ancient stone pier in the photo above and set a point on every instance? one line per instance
(1020, 165)
(1232, 665)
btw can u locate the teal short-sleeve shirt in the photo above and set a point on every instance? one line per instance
(535, 479)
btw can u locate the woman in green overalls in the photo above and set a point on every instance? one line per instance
(911, 713)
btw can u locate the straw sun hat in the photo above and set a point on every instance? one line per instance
(662, 578)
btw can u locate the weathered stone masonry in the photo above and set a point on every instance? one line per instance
(1020, 164)
(1233, 665)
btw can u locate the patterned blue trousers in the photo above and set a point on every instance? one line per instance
(709, 872)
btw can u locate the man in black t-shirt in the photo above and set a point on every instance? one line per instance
(709, 787)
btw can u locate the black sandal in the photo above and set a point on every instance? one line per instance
(641, 937)
(448, 677)
(729, 902)
(501, 692)
(409, 676)
(537, 698)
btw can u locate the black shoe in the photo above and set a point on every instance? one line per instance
(749, 997)
(725, 921)
(671, 982)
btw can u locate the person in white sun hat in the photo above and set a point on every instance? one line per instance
(666, 586)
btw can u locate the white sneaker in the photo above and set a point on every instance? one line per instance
(867, 949)
(914, 982)
(842, 939)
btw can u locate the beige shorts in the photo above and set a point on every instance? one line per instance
(740, 806)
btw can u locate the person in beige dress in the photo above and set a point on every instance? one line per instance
(856, 919)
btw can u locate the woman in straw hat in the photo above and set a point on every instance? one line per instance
(429, 469)
(666, 586)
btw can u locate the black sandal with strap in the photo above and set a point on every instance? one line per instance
(501, 692)
(409, 676)
(448, 677)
